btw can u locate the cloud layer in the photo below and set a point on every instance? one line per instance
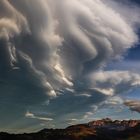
(57, 51)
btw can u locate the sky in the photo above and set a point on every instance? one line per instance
(68, 62)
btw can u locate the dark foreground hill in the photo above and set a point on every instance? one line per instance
(105, 129)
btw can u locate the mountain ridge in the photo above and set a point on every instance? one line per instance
(105, 129)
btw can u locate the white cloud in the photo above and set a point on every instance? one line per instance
(72, 43)
(114, 101)
(88, 115)
(12, 24)
(33, 116)
(84, 95)
(108, 91)
(72, 121)
(59, 70)
(114, 82)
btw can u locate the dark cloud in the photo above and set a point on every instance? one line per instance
(134, 105)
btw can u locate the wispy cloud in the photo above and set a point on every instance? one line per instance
(33, 116)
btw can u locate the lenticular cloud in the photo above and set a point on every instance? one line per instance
(58, 42)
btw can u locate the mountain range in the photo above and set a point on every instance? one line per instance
(105, 129)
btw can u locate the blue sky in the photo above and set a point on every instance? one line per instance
(61, 68)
